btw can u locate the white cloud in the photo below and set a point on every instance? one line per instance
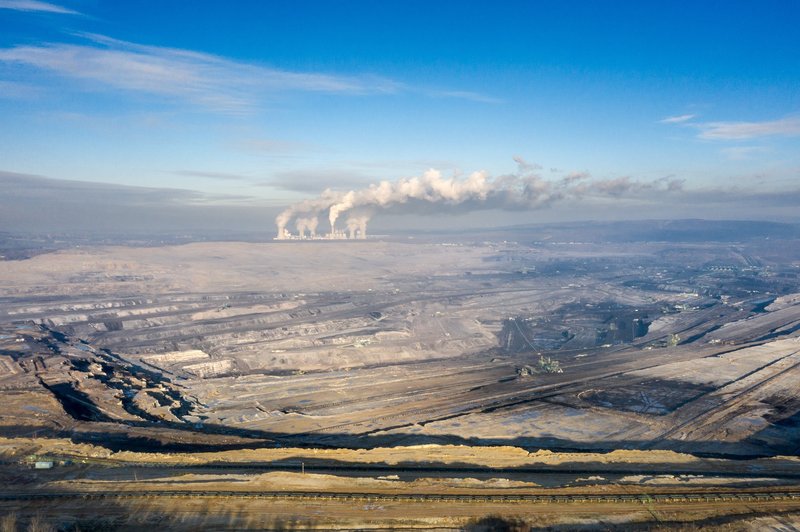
(202, 79)
(272, 146)
(787, 127)
(13, 90)
(676, 119)
(204, 174)
(35, 5)
(742, 153)
(463, 95)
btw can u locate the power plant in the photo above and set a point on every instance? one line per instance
(307, 230)
(333, 235)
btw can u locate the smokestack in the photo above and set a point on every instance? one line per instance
(312, 223)
(300, 224)
(307, 224)
(281, 220)
(362, 227)
(357, 226)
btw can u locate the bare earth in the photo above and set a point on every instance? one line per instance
(400, 367)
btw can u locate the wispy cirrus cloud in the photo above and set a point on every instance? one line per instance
(788, 126)
(224, 176)
(18, 91)
(202, 79)
(463, 95)
(273, 146)
(742, 153)
(679, 119)
(207, 80)
(35, 5)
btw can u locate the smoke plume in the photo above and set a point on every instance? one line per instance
(479, 191)
(307, 224)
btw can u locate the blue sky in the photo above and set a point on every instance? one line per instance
(243, 108)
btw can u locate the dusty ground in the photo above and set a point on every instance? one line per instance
(679, 369)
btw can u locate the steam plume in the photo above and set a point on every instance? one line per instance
(357, 227)
(310, 224)
(521, 191)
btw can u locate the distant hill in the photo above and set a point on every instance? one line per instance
(656, 231)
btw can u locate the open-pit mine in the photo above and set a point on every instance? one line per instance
(538, 377)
